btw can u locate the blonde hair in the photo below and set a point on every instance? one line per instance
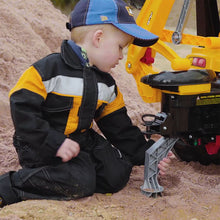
(78, 34)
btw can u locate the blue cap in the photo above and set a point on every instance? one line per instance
(115, 12)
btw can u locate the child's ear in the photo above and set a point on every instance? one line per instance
(97, 37)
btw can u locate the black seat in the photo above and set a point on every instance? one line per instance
(170, 81)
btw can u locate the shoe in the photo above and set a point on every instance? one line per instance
(185, 151)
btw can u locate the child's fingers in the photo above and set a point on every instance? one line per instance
(165, 163)
(161, 173)
(74, 151)
(166, 160)
(163, 166)
(65, 158)
(171, 155)
(69, 154)
(162, 169)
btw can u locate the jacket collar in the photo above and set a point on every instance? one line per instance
(69, 56)
(80, 52)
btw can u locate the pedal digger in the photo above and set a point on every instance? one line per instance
(189, 120)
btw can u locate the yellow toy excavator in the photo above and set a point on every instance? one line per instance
(189, 120)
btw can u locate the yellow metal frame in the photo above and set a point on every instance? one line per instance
(153, 17)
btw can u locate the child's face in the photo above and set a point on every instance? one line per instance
(110, 49)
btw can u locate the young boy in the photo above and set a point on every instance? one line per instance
(55, 101)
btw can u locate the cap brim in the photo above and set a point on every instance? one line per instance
(142, 37)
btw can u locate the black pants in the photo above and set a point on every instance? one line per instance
(98, 168)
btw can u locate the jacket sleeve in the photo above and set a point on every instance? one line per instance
(119, 130)
(26, 100)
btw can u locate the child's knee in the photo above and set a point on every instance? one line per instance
(81, 181)
(113, 180)
(119, 178)
(82, 185)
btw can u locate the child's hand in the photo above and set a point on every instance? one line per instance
(68, 150)
(165, 163)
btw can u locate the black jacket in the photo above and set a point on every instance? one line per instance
(46, 102)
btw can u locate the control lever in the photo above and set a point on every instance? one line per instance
(177, 35)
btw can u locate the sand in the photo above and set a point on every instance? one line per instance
(30, 30)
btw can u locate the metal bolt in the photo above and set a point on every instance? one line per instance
(129, 65)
